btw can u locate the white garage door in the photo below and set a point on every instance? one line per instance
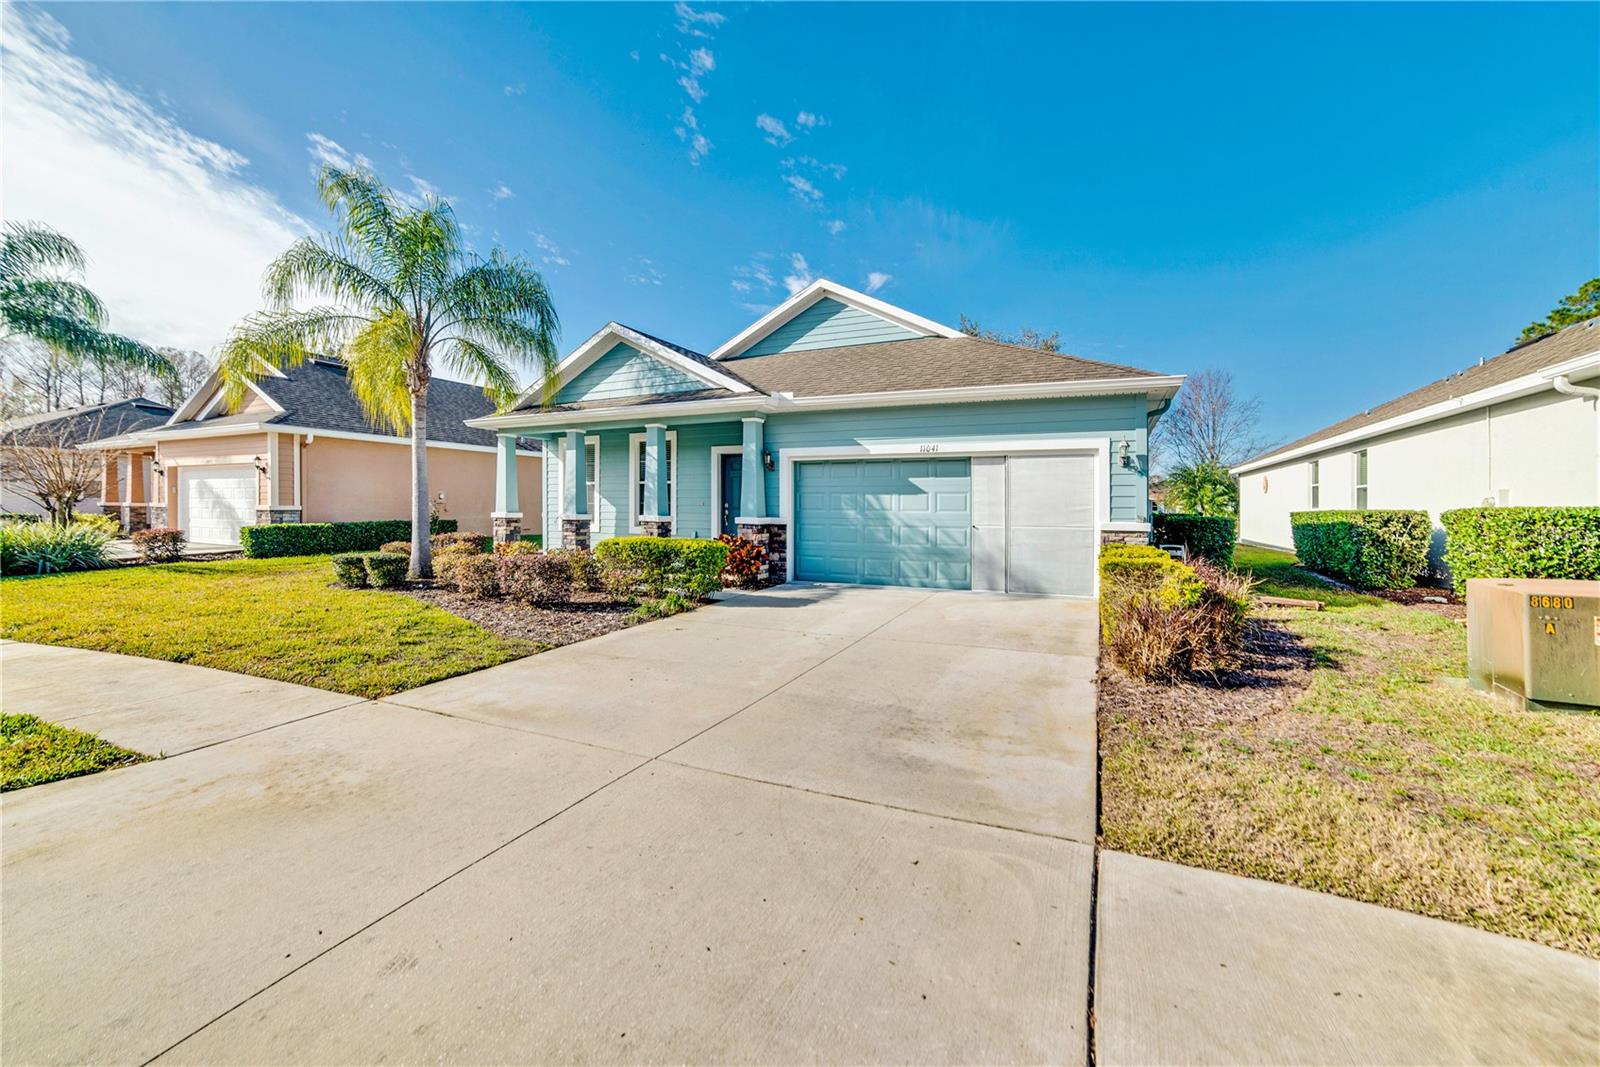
(1033, 522)
(214, 502)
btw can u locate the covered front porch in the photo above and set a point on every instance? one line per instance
(132, 487)
(695, 477)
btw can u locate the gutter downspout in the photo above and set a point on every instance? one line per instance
(1155, 414)
(1564, 384)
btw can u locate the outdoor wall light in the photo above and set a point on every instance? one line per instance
(261, 464)
(1125, 450)
(767, 460)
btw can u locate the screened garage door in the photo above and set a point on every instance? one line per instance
(884, 522)
(214, 502)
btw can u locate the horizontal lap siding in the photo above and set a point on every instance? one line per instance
(625, 371)
(828, 324)
(1089, 417)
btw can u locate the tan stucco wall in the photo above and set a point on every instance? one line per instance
(352, 480)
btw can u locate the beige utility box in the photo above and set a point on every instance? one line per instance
(1535, 640)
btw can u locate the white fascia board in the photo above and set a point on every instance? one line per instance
(213, 383)
(239, 430)
(817, 290)
(1528, 384)
(127, 440)
(606, 337)
(550, 422)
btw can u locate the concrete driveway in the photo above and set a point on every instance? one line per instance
(818, 824)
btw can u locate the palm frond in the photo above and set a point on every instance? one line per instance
(327, 268)
(379, 359)
(281, 340)
(29, 248)
(365, 210)
(467, 359)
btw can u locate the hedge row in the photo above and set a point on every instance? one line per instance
(658, 565)
(1368, 549)
(1521, 543)
(1207, 536)
(329, 538)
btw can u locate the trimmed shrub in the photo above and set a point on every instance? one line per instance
(543, 578)
(476, 541)
(387, 570)
(159, 544)
(1368, 549)
(1521, 543)
(654, 565)
(585, 568)
(1128, 572)
(45, 548)
(401, 547)
(350, 570)
(20, 516)
(104, 523)
(446, 560)
(516, 548)
(667, 606)
(327, 538)
(745, 560)
(474, 575)
(1206, 536)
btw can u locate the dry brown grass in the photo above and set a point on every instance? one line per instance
(1365, 770)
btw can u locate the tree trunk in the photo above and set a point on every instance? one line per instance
(421, 545)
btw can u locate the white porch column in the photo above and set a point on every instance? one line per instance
(753, 476)
(657, 503)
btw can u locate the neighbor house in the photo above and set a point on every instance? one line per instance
(858, 441)
(67, 429)
(300, 449)
(1519, 428)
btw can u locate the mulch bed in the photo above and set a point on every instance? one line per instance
(1440, 601)
(1274, 668)
(587, 615)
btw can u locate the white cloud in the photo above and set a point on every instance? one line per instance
(634, 55)
(646, 274)
(701, 61)
(500, 192)
(688, 131)
(552, 256)
(515, 90)
(754, 275)
(809, 120)
(176, 233)
(776, 132)
(877, 280)
(836, 226)
(836, 170)
(799, 275)
(802, 188)
(693, 23)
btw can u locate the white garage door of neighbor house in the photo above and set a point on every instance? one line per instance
(1033, 521)
(214, 502)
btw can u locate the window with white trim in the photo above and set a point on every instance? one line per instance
(636, 458)
(591, 478)
(1361, 480)
(1316, 484)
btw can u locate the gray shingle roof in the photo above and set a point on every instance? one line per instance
(317, 396)
(919, 363)
(1574, 341)
(74, 426)
(639, 401)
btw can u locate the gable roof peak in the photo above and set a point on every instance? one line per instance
(825, 288)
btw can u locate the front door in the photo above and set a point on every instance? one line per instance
(732, 486)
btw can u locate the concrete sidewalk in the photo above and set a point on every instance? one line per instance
(1197, 967)
(148, 705)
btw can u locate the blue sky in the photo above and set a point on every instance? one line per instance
(1335, 202)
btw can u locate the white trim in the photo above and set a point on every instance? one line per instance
(240, 429)
(1100, 447)
(770, 520)
(1125, 527)
(818, 290)
(635, 446)
(561, 479)
(272, 469)
(216, 398)
(299, 462)
(717, 452)
(505, 514)
(1527, 384)
(777, 403)
(580, 358)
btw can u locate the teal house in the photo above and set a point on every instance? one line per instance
(857, 441)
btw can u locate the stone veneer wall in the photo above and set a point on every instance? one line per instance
(655, 527)
(774, 537)
(574, 533)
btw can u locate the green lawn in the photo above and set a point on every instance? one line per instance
(1385, 780)
(274, 618)
(33, 752)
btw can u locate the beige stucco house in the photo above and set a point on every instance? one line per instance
(300, 449)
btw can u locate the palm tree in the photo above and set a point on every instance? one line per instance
(1203, 489)
(39, 299)
(390, 293)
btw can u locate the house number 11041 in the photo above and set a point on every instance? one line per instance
(927, 448)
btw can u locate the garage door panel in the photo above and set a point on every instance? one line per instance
(216, 502)
(1050, 537)
(906, 525)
